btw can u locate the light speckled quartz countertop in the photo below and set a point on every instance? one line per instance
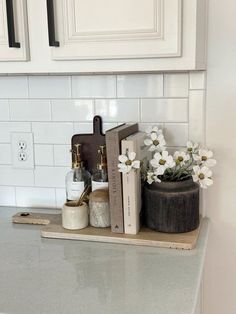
(46, 276)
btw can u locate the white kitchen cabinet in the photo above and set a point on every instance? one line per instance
(92, 36)
(13, 31)
(124, 29)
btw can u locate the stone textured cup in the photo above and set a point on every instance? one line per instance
(74, 217)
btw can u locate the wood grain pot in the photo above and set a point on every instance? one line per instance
(171, 207)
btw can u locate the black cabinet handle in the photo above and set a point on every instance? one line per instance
(11, 26)
(51, 25)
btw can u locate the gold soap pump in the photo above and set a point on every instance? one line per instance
(78, 178)
(77, 162)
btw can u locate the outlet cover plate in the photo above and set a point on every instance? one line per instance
(28, 150)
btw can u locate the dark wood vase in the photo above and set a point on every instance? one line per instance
(171, 207)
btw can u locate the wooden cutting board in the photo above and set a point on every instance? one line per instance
(53, 229)
(90, 144)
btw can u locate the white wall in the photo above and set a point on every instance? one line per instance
(220, 274)
(54, 108)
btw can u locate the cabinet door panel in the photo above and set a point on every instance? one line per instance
(20, 22)
(107, 29)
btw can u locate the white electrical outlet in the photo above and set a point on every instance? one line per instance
(22, 148)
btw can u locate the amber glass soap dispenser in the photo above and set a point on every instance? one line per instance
(78, 177)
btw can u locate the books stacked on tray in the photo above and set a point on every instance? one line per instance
(125, 188)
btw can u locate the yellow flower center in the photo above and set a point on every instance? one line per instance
(190, 149)
(204, 158)
(180, 158)
(128, 163)
(162, 162)
(201, 176)
(156, 142)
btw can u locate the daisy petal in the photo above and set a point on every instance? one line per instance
(159, 171)
(136, 164)
(195, 178)
(131, 156)
(164, 154)
(204, 170)
(123, 158)
(196, 169)
(208, 181)
(154, 163)
(153, 136)
(148, 141)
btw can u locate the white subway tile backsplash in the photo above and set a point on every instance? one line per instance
(83, 128)
(196, 116)
(197, 80)
(13, 87)
(60, 197)
(16, 177)
(94, 86)
(52, 133)
(49, 86)
(50, 176)
(5, 154)
(139, 85)
(4, 110)
(30, 110)
(176, 85)
(144, 126)
(6, 128)
(72, 110)
(176, 134)
(7, 196)
(87, 128)
(35, 197)
(43, 155)
(122, 110)
(54, 108)
(62, 155)
(164, 110)
(108, 126)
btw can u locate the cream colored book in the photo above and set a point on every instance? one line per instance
(132, 183)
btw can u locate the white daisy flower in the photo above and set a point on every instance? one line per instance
(180, 158)
(156, 142)
(161, 162)
(191, 147)
(202, 175)
(153, 129)
(128, 162)
(204, 158)
(152, 177)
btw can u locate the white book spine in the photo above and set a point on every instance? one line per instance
(131, 193)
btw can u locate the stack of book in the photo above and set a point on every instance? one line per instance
(125, 188)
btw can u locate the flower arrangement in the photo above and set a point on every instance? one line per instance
(192, 162)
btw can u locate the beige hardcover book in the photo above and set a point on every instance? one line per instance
(113, 146)
(132, 183)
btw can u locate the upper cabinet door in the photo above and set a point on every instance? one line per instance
(117, 29)
(13, 31)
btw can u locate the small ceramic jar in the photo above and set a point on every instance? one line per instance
(99, 211)
(74, 217)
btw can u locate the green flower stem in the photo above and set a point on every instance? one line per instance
(178, 172)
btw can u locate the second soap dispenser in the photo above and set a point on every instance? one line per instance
(78, 178)
(100, 177)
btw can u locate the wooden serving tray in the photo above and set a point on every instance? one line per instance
(53, 229)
